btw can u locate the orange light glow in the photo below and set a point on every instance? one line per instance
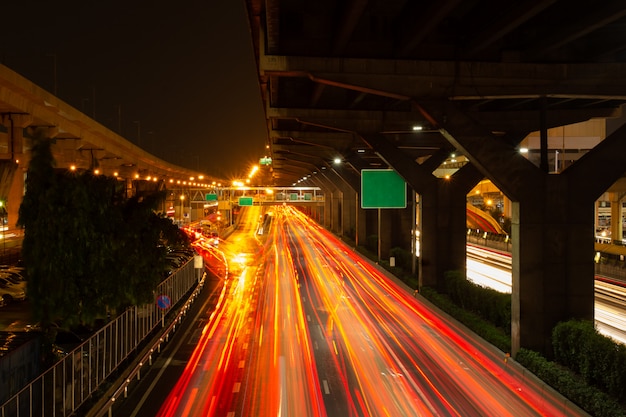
(303, 323)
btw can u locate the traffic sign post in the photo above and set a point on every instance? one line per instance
(382, 188)
(163, 302)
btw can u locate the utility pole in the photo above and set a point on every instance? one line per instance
(54, 72)
(93, 103)
(84, 106)
(119, 119)
(138, 122)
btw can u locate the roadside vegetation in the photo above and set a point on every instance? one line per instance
(89, 250)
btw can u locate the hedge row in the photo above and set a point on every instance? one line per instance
(596, 358)
(491, 305)
(570, 385)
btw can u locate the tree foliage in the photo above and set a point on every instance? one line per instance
(88, 249)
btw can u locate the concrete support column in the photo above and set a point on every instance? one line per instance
(17, 173)
(506, 207)
(616, 217)
(360, 222)
(129, 188)
(332, 205)
(328, 209)
(349, 181)
(443, 209)
(18, 161)
(443, 234)
(349, 214)
(552, 267)
(337, 208)
(17, 147)
(319, 209)
(332, 211)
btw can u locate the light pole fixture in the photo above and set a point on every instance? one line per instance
(182, 199)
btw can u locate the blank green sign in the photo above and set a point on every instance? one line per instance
(210, 197)
(245, 201)
(382, 188)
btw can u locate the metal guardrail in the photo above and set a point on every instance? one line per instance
(69, 383)
(122, 388)
(611, 268)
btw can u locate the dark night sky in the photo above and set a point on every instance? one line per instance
(185, 71)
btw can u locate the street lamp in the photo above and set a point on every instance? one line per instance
(182, 199)
(138, 123)
(4, 244)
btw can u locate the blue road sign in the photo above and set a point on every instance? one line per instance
(163, 302)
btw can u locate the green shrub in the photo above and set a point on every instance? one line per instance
(596, 358)
(371, 243)
(491, 305)
(403, 258)
(572, 386)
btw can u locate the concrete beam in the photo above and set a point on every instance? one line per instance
(348, 121)
(455, 80)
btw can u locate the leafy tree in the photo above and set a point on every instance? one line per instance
(87, 248)
(140, 256)
(36, 214)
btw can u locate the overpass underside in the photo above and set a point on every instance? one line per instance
(416, 90)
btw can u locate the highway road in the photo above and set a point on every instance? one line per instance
(301, 326)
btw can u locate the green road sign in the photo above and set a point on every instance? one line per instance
(210, 197)
(293, 196)
(308, 196)
(382, 188)
(245, 201)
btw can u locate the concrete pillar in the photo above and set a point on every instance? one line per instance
(360, 222)
(443, 234)
(552, 262)
(552, 226)
(349, 214)
(337, 219)
(328, 210)
(443, 209)
(15, 194)
(348, 185)
(616, 217)
(17, 160)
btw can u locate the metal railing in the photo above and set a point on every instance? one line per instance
(64, 387)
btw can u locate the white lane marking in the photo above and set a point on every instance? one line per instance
(326, 389)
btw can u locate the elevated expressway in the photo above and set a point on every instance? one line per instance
(352, 82)
(78, 141)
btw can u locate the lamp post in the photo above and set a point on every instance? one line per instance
(182, 199)
(138, 123)
(4, 244)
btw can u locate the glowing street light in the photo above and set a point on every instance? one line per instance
(182, 199)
